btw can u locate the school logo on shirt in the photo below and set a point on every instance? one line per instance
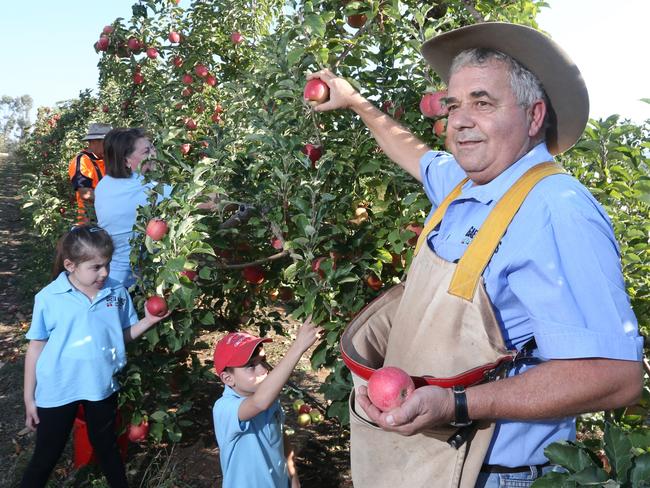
(113, 301)
(470, 234)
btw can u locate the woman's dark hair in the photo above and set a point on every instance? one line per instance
(82, 243)
(119, 144)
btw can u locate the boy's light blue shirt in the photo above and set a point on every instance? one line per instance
(85, 342)
(116, 204)
(556, 275)
(251, 452)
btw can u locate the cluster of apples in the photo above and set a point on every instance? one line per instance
(432, 106)
(306, 414)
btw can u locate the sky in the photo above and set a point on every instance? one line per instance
(47, 48)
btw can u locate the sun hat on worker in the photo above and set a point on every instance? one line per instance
(560, 77)
(97, 131)
(235, 350)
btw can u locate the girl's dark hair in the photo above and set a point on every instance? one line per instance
(82, 243)
(119, 144)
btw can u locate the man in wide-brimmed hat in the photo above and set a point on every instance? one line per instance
(86, 169)
(550, 273)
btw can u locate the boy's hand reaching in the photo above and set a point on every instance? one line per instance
(308, 334)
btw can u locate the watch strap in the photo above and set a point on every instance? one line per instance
(461, 415)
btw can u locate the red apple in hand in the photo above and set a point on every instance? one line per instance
(156, 306)
(138, 433)
(388, 387)
(431, 104)
(316, 90)
(156, 229)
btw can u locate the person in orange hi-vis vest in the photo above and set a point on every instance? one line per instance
(86, 169)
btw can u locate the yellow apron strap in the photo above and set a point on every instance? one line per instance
(436, 218)
(479, 252)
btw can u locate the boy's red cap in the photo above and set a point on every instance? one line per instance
(235, 349)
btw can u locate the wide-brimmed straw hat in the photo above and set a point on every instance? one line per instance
(97, 131)
(558, 74)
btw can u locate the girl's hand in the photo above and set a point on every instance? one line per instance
(308, 334)
(31, 416)
(152, 319)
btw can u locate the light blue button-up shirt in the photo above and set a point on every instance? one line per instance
(85, 342)
(116, 204)
(555, 275)
(251, 452)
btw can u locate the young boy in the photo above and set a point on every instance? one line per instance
(248, 418)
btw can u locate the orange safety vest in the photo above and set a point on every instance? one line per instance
(85, 170)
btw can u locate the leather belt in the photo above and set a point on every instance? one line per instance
(495, 468)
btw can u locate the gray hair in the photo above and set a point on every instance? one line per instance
(525, 85)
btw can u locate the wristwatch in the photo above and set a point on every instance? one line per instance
(461, 417)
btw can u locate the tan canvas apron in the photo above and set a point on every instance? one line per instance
(440, 327)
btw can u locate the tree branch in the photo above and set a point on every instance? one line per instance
(469, 5)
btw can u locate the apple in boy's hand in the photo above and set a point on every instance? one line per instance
(156, 306)
(388, 387)
(138, 433)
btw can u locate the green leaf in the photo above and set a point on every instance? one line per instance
(554, 480)
(590, 475)
(569, 456)
(641, 470)
(315, 24)
(619, 450)
(158, 415)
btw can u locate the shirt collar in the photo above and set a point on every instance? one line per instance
(496, 188)
(62, 285)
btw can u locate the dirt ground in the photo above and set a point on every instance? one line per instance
(322, 450)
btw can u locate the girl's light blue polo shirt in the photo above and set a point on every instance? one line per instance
(116, 204)
(251, 452)
(556, 275)
(85, 342)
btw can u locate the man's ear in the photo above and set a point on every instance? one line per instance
(68, 265)
(536, 118)
(227, 377)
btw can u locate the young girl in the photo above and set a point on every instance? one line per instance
(80, 324)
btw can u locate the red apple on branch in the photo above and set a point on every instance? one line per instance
(156, 306)
(431, 104)
(174, 37)
(156, 229)
(439, 127)
(102, 44)
(357, 21)
(253, 274)
(374, 282)
(107, 29)
(152, 53)
(134, 44)
(138, 78)
(190, 124)
(138, 433)
(201, 70)
(185, 148)
(177, 61)
(189, 274)
(313, 152)
(187, 79)
(236, 38)
(388, 387)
